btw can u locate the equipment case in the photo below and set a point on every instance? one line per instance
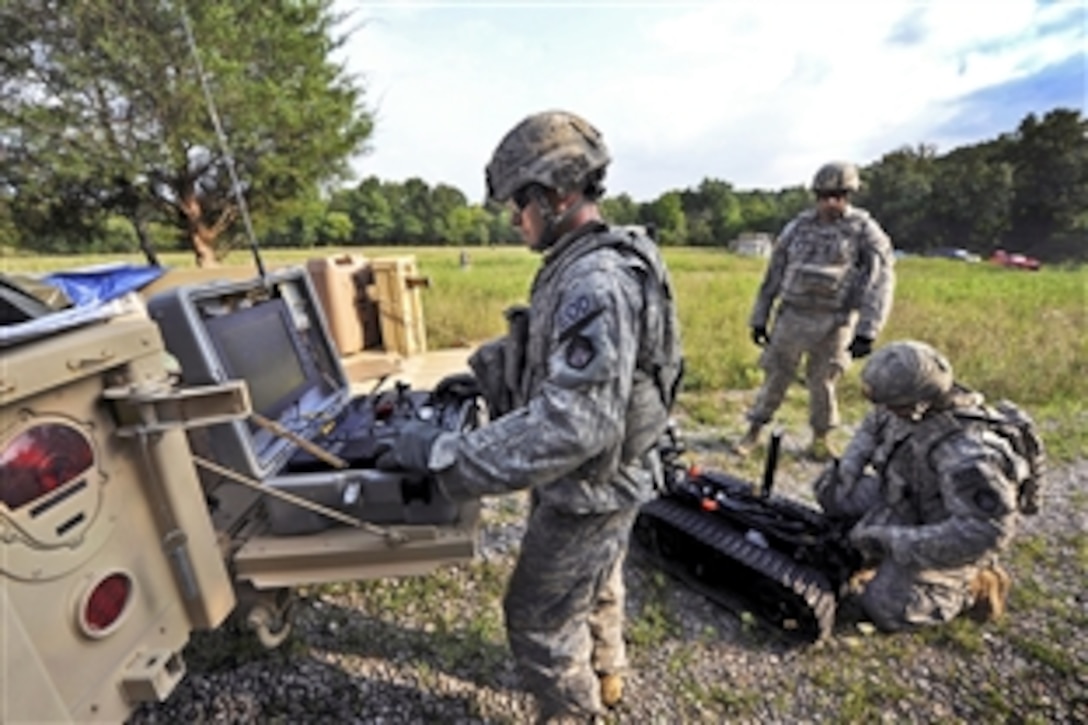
(273, 334)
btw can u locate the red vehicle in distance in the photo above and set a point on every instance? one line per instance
(1015, 260)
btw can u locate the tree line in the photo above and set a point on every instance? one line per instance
(1026, 189)
(108, 143)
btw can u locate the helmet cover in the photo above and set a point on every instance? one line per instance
(556, 149)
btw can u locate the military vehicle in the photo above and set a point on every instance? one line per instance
(165, 466)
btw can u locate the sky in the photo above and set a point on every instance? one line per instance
(757, 93)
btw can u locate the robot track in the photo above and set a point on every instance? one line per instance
(737, 569)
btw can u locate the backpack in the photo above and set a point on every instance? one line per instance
(664, 363)
(1016, 427)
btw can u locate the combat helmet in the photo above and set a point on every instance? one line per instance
(906, 373)
(837, 176)
(555, 149)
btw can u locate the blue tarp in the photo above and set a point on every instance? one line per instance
(102, 283)
(97, 293)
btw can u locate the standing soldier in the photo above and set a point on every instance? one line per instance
(832, 270)
(579, 392)
(932, 484)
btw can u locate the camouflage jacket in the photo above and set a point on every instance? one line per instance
(835, 267)
(588, 405)
(942, 494)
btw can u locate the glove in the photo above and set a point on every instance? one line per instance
(870, 541)
(861, 346)
(458, 386)
(410, 451)
(759, 335)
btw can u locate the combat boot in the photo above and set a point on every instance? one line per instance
(611, 689)
(747, 444)
(989, 592)
(820, 449)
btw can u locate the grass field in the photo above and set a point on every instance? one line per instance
(1010, 333)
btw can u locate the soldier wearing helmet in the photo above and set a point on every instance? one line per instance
(930, 491)
(550, 167)
(579, 393)
(907, 378)
(829, 288)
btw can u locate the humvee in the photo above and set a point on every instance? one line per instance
(169, 463)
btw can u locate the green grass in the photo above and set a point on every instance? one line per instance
(653, 625)
(1009, 333)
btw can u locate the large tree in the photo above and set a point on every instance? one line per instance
(971, 197)
(103, 111)
(621, 209)
(666, 214)
(370, 211)
(444, 199)
(1050, 161)
(896, 190)
(713, 211)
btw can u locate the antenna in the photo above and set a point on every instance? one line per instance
(771, 463)
(236, 185)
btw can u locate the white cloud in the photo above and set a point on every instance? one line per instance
(755, 92)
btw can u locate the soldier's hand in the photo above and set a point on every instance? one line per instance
(861, 346)
(825, 485)
(759, 335)
(410, 451)
(870, 541)
(458, 385)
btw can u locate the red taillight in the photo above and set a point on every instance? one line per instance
(40, 460)
(105, 603)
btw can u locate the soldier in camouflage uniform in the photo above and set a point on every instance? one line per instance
(933, 492)
(832, 272)
(579, 393)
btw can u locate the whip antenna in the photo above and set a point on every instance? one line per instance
(236, 185)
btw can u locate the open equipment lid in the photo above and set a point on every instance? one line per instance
(270, 332)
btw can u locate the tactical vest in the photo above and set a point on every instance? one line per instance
(1010, 423)
(826, 263)
(660, 355)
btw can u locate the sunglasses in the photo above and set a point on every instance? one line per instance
(834, 194)
(522, 197)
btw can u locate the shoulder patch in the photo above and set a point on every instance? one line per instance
(580, 352)
(576, 313)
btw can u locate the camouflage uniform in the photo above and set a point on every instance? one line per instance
(580, 403)
(834, 279)
(935, 500)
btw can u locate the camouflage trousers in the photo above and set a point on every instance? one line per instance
(823, 339)
(901, 597)
(564, 608)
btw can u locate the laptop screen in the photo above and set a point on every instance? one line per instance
(260, 345)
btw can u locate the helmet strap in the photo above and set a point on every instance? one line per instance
(553, 221)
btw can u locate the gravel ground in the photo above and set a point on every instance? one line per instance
(432, 650)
